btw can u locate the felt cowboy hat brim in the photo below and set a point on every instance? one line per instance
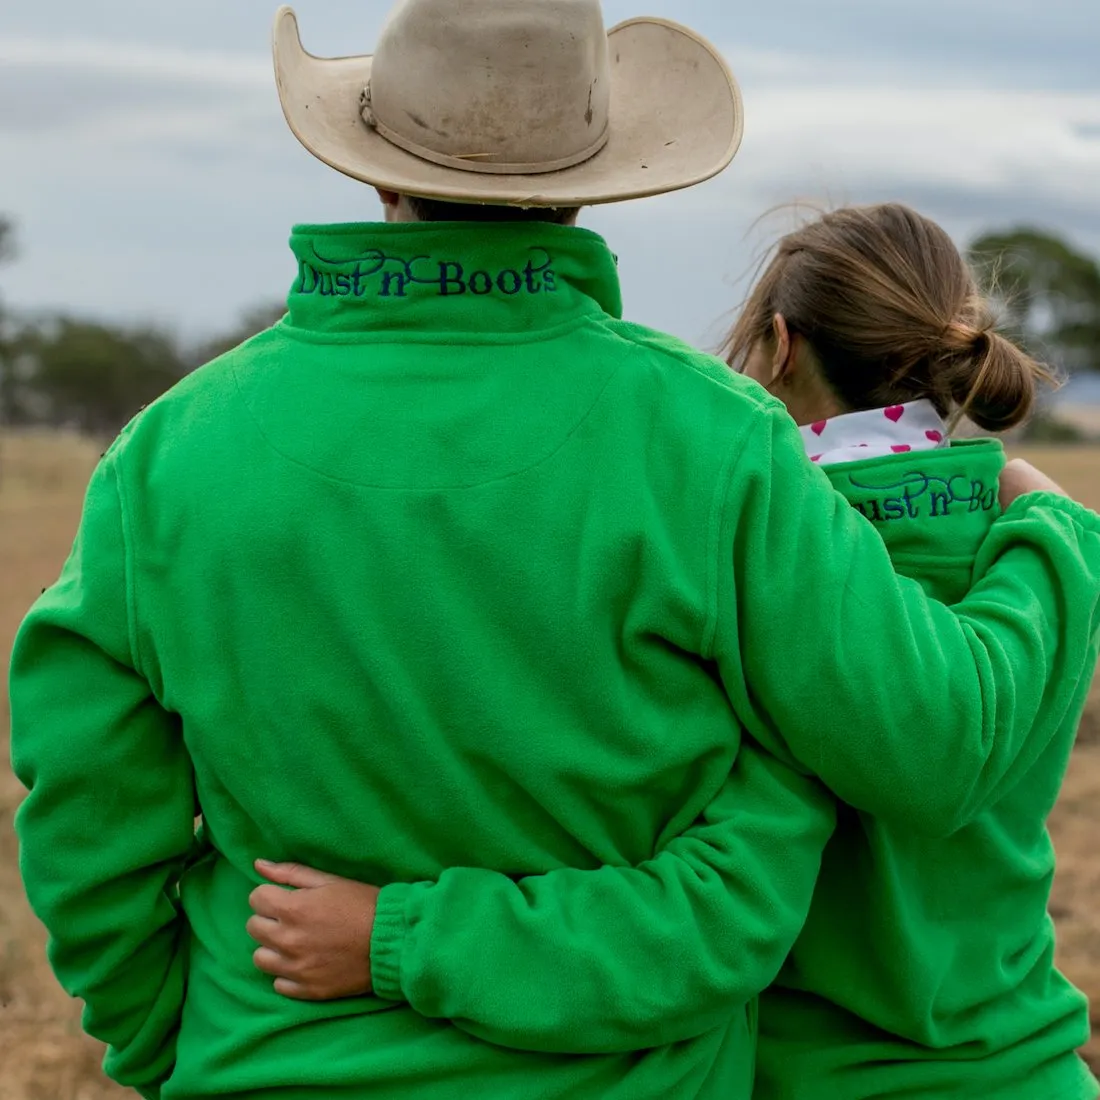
(675, 120)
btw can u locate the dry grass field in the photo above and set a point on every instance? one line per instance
(43, 1055)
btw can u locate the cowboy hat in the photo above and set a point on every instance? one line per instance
(515, 102)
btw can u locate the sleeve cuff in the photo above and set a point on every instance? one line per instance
(388, 941)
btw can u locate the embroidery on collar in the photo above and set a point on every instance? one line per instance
(875, 433)
(378, 274)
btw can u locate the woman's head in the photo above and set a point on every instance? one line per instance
(873, 306)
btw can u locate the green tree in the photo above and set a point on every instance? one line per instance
(95, 377)
(1050, 293)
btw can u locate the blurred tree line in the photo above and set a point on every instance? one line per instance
(63, 371)
(69, 372)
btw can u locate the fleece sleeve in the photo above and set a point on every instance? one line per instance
(619, 958)
(918, 713)
(109, 817)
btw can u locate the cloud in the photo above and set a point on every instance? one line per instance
(99, 95)
(151, 63)
(812, 122)
(165, 177)
(966, 138)
(1003, 43)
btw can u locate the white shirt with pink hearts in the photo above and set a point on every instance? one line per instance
(876, 433)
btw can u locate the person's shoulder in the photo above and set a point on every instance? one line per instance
(692, 369)
(199, 401)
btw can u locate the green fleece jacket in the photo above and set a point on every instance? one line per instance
(454, 568)
(926, 969)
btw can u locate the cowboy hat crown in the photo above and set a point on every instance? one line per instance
(548, 64)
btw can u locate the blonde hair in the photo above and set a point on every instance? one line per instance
(892, 313)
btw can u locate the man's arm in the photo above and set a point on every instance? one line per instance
(907, 707)
(579, 962)
(108, 821)
(915, 712)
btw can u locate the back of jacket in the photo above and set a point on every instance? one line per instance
(445, 595)
(421, 577)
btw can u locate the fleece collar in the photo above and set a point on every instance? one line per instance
(929, 505)
(437, 279)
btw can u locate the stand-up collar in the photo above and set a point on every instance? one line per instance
(936, 504)
(480, 280)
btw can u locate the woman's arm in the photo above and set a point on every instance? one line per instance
(617, 959)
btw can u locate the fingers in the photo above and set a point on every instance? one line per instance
(272, 902)
(287, 987)
(289, 980)
(289, 941)
(264, 931)
(271, 962)
(1020, 478)
(292, 874)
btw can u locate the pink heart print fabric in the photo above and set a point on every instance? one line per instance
(875, 433)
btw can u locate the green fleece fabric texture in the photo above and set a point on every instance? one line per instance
(926, 969)
(453, 568)
(945, 941)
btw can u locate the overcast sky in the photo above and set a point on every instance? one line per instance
(144, 155)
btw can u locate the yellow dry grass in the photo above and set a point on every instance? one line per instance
(44, 1055)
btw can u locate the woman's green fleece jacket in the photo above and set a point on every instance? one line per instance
(926, 968)
(453, 568)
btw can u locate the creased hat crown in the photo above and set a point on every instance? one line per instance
(507, 86)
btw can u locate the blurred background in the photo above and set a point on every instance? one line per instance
(148, 185)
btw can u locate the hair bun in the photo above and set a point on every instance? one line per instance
(991, 379)
(962, 337)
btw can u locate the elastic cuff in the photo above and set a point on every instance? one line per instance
(1073, 508)
(388, 941)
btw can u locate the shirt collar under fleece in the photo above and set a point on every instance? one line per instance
(486, 281)
(874, 433)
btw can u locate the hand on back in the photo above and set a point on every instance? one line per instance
(314, 938)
